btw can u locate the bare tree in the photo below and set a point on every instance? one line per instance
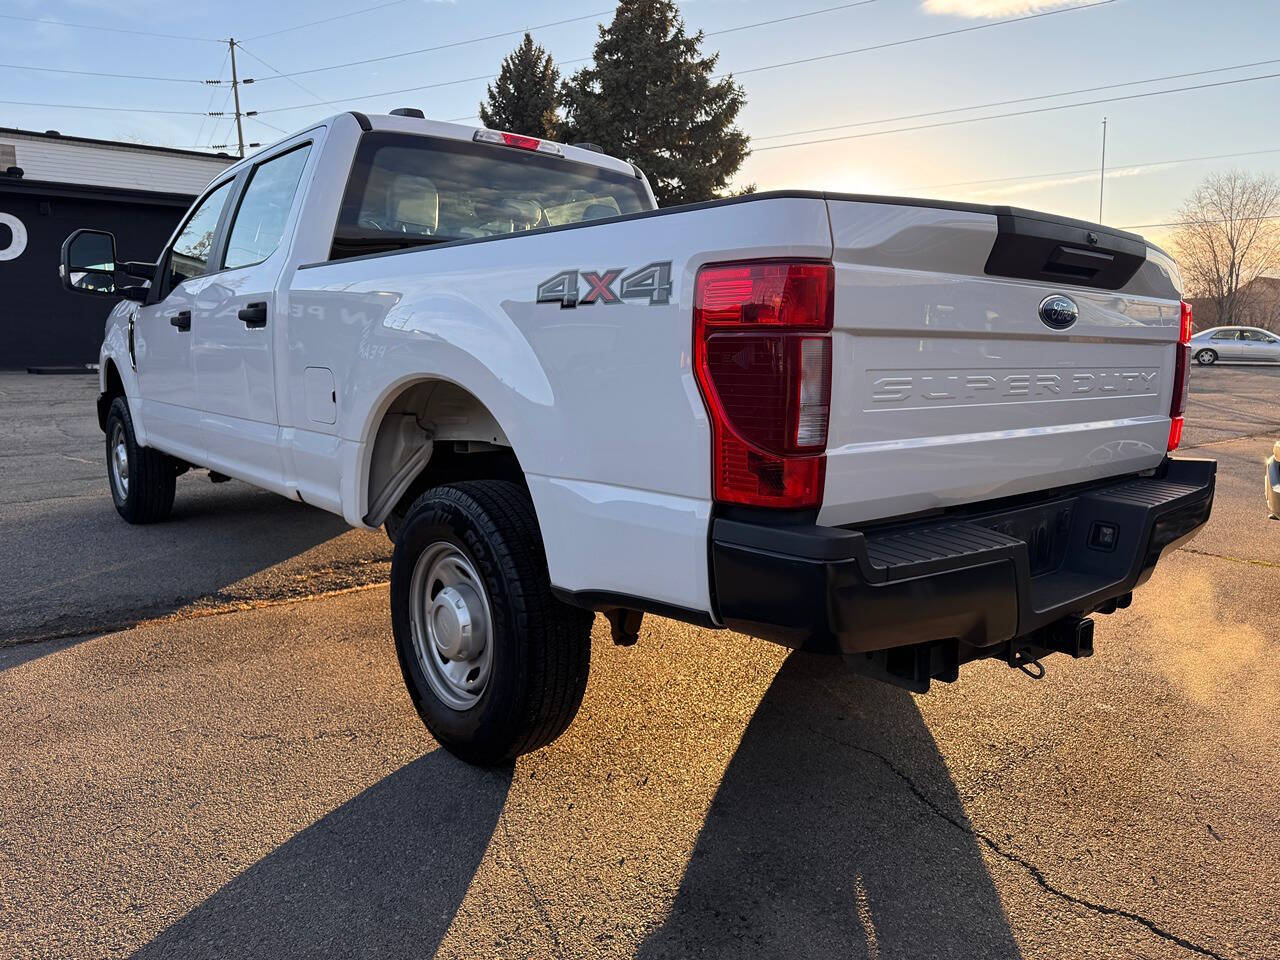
(1228, 236)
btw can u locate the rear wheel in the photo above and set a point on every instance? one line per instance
(142, 480)
(495, 664)
(1206, 357)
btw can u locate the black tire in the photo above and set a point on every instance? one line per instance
(540, 647)
(146, 493)
(1206, 357)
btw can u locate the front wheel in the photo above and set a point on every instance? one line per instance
(495, 664)
(1206, 357)
(142, 480)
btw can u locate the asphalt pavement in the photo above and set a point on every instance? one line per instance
(211, 754)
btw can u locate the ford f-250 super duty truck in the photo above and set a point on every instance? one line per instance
(913, 433)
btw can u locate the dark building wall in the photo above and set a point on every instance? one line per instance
(41, 324)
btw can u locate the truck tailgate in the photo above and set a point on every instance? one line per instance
(947, 385)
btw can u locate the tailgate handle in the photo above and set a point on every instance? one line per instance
(1074, 262)
(254, 315)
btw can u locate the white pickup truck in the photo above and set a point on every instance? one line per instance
(913, 433)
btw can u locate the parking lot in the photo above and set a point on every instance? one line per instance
(210, 753)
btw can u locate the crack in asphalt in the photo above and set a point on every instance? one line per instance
(514, 853)
(1034, 871)
(1271, 428)
(1268, 564)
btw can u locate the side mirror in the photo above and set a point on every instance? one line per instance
(89, 266)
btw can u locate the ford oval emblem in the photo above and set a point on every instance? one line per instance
(1058, 311)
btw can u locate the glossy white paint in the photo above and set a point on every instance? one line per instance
(599, 403)
(166, 373)
(946, 386)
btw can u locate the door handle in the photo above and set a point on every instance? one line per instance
(181, 320)
(254, 315)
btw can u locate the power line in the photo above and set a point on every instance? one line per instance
(1090, 170)
(340, 16)
(92, 73)
(1018, 113)
(557, 23)
(753, 69)
(794, 16)
(215, 116)
(85, 106)
(1187, 223)
(445, 46)
(306, 90)
(384, 93)
(271, 125)
(1005, 103)
(213, 95)
(99, 28)
(931, 36)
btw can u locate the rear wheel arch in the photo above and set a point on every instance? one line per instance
(429, 432)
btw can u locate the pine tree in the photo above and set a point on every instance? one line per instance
(649, 97)
(525, 96)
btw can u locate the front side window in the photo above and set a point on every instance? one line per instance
(1257, 336)
(407, 190)
(259, 224)
(190, 254)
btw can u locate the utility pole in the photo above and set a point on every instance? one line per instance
(235, 92)
(1102, 179)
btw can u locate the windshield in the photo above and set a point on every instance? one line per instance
(407, 190)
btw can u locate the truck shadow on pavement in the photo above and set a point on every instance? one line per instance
(85, 571)
(836, 832)
(380, 876)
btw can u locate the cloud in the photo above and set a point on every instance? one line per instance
(995, 8)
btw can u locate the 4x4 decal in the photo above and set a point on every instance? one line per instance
(651, 282)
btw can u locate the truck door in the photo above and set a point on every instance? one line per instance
(165, 328)
(233, 350)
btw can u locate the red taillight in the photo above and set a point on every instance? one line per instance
(1181, 367)
(762, 355)
(1184, 328)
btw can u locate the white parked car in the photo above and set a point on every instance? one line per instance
(1235, 343)
(914, 433)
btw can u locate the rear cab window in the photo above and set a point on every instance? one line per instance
(259, 223)
(408, 190)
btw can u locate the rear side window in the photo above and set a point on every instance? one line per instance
(1226, 335)
(408, 190)
(259, 224)
(189, 257)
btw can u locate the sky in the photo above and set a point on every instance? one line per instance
(855, 101)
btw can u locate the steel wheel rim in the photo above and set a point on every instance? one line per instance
(451, 625)
(118, 459)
